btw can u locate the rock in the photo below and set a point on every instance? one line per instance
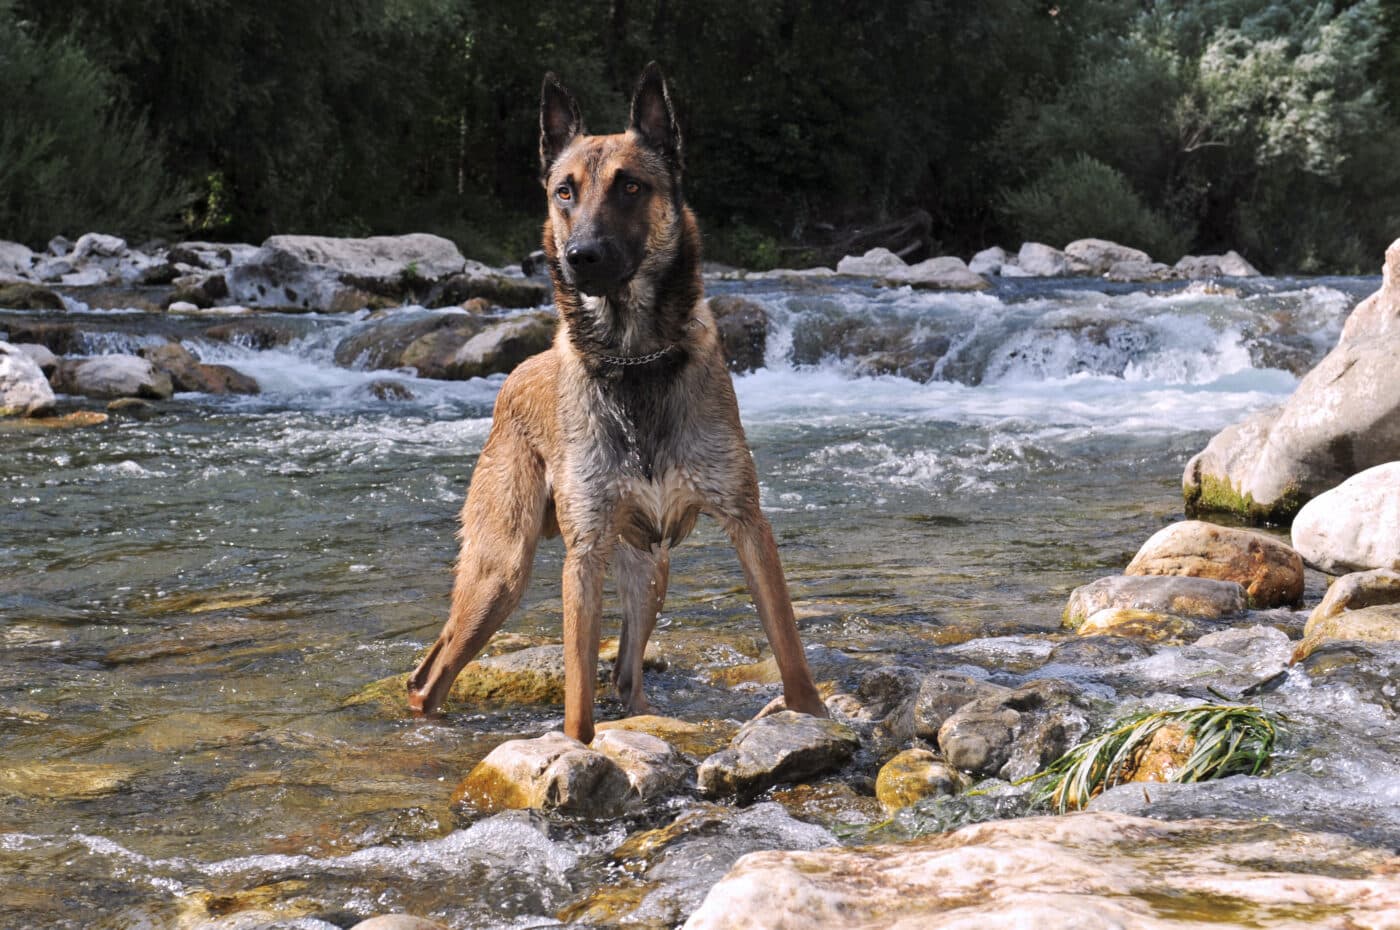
(481, 283)
(1370, 671)
(70, 420)
(182, 306)
(1097, 652)
(1016, 734)
(652, 767)
(988, 261)
(1042, 261)
(258, 335)
(391, 391)
(1139, 271)
(946, 272)
(187, 373)
(1229, 265)
(384, 343)
(1270, 571)
(1379, 624)
(942, 694)
(62, 781)
(58, 338)
(109, 376)
(159, 275)
(913, 775)
(551, 772)
(784, 747)
(879, 262)
(24, 391)
(96, 246)
(497, 349)
(398, 922)
(536, 264)
(1343, 418)
(133, 408)
(1198, 598)
(526, 676)
(201, 289)
(743, 332)
(696, 740)
(39, 355)
(21, 296)
(1355, 591)
(337, 275)
(1094, 870)
(1354, 527)
(1142, 625)
(1099, 255)
(15, 258)
(60, 246)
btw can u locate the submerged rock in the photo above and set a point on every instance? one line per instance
(1016, 734)
(1142, 625)
(1367, 625)
(24, 391)
(783, 747)
(1198, 598)
(110, 376)
(1355, 591)
(1092, 870)
(1343, 418)
(1269, 570)
(1097, 651)
(1354, 527)
(743, 332)
(913, 775)
(188, 373)
(551, 772)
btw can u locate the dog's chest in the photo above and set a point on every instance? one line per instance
(660, 510)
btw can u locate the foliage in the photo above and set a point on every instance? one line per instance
(73, 157)
(1228, 739)
(1084, 197)
(1264, 125)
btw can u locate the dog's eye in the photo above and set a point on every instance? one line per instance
(632, 187)
(563, 192)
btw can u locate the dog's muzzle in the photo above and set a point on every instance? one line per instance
(596, 265)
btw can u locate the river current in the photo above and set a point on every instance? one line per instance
(188, 603)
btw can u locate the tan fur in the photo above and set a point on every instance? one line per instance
(562, 457)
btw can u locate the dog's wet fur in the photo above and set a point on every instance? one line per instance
(622, 433)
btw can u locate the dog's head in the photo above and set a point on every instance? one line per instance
(615, 205)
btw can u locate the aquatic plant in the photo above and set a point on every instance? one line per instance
(1195, 743)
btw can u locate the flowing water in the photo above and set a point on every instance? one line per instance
(187, 603)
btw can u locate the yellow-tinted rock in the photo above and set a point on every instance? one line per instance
(1162, 757)
(1355, 591)
(1269, 570)
(551, 772)
(913, 775)
(77, 418)
(697, 740)
(45, 781)
(1142, 625)
(1379, 624)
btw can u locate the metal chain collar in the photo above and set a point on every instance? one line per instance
(625, 360)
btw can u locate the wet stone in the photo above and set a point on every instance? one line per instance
(943, 694)
(783, 747)
(1368, 625)
(51, 781)
(1014, 735)
(696, 740)
(1372, 671)
(1097, 651)
(1355, 591)
(1355, 526)
(652, 767)
(398, 922)
(1143, 625)
(550, 772)
(1197, 598)
(1269, 570)
(913, 775)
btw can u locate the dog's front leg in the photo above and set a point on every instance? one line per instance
(758, 554)
(641, 585)
(584, 567)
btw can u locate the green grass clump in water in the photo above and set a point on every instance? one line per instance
(1230, 739)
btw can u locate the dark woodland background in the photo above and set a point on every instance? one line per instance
(1269, 127)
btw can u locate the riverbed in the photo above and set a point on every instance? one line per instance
(189, 603)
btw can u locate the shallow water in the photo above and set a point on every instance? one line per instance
(188, 602)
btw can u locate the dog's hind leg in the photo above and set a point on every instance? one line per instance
(758, 554)
(641, 585)
(501, 524)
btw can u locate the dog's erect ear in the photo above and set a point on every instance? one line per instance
(653, 117)
(560, 121)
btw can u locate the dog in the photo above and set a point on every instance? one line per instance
(620, 434)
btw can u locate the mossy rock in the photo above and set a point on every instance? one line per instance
(526, 676)
(21, 296)
(1142, 625)
(914, 775)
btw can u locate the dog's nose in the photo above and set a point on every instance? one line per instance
(585, 256)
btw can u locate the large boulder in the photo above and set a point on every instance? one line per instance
(743, 332)
(947, 272)
(334, 275)
(1091, 870)
(382, 343)
(783, 747)
(1343, 418)
(652, 766)
(1354, 527)
(879, 262)
(497, 349)
(988, 261)
(1038, 260)
(478, 282)
(1099, 255)
(15, 259)
(1230, 265)
(110, 376)
(22, 296)
(1197, 598)
(1016, 734)
(24, 391)
(188, 373)
(551, 772)
(1270, 571)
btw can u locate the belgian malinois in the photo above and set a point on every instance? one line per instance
(620, 434)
